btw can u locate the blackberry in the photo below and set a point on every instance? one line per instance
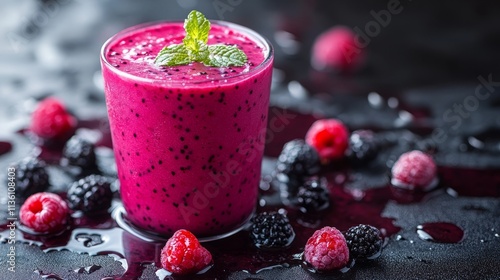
(31, 176)
(90, 195)
(364, 241)
(313, 195)
(80, 153)
(288, 189)
(271, 230)
(297, 159)
(289, 186)
(363, 147)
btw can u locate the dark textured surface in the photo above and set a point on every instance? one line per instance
(426, 60)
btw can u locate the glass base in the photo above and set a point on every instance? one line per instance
(120, 216)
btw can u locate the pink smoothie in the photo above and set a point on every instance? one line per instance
(188, 140)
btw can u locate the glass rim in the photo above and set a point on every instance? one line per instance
(253, 35)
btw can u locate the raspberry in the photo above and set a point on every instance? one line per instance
(271, 230)
(297, 159)
(50, 120)
(327, 249)
(364, 242)
(183, 254)
(362, 147)
(90, 195)
(414, 170)
(31, 176)
(44, 212)
(329, 137)
(80, 153)
(336, 49)
(313, 195)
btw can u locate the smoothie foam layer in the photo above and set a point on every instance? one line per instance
(188, 146)
(135, 54)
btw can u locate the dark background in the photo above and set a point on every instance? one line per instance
(428, 42)
(429, 55)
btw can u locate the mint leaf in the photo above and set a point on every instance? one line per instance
(199, 52)
(197, 28)
(194, 47)
(223, 56)
(173, 55)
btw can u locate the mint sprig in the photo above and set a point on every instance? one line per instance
(225, 55)
(173, 55)
(194, 47)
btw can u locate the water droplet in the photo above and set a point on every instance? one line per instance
(393, 102)
(287, 41)
(404, 118)
(88, 269)
(297, 90)
(45, 275)
(440, 232)
(262, 202)
(375, 100)
(486, 141)
(451, 192)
